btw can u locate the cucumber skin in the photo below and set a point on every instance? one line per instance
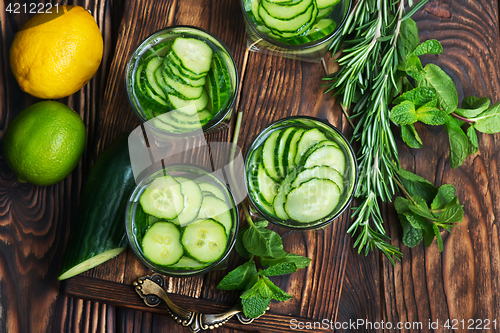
(99, 224)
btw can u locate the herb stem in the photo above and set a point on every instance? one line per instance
(247, 214)
(467, 120)
(407, 195)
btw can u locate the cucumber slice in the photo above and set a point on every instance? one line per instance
(322, 172)
(217, 209)
(281, 159)
(291, 25)
(158, 50)
(182, 90)
(312, 200)
(308, 139)
(280, 199)
(161, 244)
(192, 201)
(172, 60)
(324, 12)
(326, 155)
(195, 55)
(151, 67)
(175, 73)
(182, 105)
(267, 187)
(285, 2)
(204, 240)
(326, 3)
(291, 148)
(255, 11)
(183, 119)
(187, 263)
(212, 189)
(163, 198)
(322, 28)
(150, 93)
(286, 12)
(164, 121)
(268, 153)
(219, 85)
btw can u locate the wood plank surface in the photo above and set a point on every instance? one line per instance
(463, 282)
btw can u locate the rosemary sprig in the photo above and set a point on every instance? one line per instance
(368, 78)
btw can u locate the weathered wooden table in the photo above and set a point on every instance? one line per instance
(461, 283)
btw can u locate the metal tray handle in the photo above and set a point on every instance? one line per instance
(151, 289)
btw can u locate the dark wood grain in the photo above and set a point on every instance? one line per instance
(34, 220)
(260, 75)
(461, 282)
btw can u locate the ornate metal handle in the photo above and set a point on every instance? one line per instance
(151, 289)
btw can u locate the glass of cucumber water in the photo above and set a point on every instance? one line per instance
(182, 221)
(301, 173)
(297, 29)
(181, 79)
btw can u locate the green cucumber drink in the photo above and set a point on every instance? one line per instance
(301, 29)
(182, 79)
(181, 221)
(301, 173)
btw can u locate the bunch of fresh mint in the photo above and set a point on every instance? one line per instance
(262, 246)
(434, 101)
(426, 209)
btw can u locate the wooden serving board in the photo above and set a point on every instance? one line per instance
(270, 88)
(462, 282)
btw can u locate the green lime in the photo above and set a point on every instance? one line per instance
(44, 143)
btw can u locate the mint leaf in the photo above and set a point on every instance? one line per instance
(409, 37)
(403, 208)
(459, 143)
(401, 205)
(239, 246)
(453, 212)
(473, 106)
(431, 115)
(413, 68)
(263, 242)
(411, 236)
(239, 277)
(430, 46)
(473, 144)
(446, 193)
(419, 96)
(261, 223)
(421, 208)
(277, 293)
(416, 185)
(437, 233)
(429, 235)
(446, 91)
(298, 260)
(488, 121)
(410, 136)
(404, 113)
(255, 306)
(257, 299)
(279, 269)
(259, 288)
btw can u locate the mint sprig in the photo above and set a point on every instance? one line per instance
(264, 246)
(434, 101)
(426, 210)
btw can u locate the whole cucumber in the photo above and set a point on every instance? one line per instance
(98, 233)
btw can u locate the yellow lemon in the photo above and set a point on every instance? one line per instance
(44, 143)
(55, 54)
